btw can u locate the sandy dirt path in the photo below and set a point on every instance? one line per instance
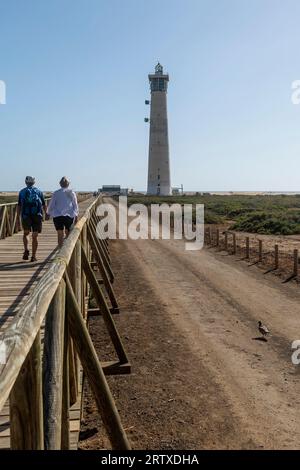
(200, 379)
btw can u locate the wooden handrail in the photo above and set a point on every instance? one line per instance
(10, 223)
(47, 388)
(20, 335)
(15, 203)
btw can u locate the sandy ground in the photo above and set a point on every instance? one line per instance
(200, 379)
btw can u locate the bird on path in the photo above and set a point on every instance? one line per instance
(263, 329)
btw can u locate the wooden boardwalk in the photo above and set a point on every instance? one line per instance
(17, 281)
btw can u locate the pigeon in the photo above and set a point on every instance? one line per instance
(263, 329)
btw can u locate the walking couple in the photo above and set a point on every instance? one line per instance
(63, 207)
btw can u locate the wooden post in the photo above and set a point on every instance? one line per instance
(26, 406)
(295, 262)
(226, 241)
(83, 243)
(260, 251)
(53, 369)
(276, 257)
(15, 218)
(77, 283)
(74, 377)
(209, 236)
(65, 415)
(8, 222)
(217, 237)
(247, 248)
(95, 374)
(74, 365)
(78, 294)
(3, 223)
(234, 243)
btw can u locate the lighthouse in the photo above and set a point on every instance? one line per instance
(158, 164)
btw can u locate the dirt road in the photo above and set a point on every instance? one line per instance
(200, 378)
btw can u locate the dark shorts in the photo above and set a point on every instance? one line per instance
(63, 222)
(32, 223)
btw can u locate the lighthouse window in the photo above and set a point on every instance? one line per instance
(161, 84)
(158, 84)
(155, 85)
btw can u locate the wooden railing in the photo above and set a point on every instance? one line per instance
(10, 222)
(42, 379)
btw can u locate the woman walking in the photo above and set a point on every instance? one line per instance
(63, 207)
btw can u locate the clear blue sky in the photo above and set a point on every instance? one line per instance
(76, 76)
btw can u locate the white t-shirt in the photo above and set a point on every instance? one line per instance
(63, 203)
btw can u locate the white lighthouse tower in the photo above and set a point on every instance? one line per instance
(158, 166)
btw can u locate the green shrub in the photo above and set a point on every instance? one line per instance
(270, 223)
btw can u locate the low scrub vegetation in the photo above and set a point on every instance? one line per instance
(280, 223)
(265, 214)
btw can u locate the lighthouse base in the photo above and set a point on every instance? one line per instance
(163, 190)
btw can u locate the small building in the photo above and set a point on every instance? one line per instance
(124, 192)
(114, 190)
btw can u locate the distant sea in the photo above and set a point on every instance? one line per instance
(244, 193)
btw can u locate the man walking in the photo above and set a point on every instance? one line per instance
(30, 206)
(63, 207)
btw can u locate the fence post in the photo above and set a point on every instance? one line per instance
(295, 262)
(26, 406)
(260, 251)
(276, 257)
(247, 248)
(226, 241)
(217, 237)
(234, 243)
